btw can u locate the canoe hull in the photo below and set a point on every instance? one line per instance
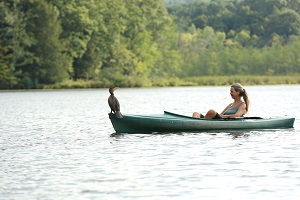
(176, 123)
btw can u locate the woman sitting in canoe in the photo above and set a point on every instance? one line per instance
(236, 109)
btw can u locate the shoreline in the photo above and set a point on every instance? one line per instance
(175, 82)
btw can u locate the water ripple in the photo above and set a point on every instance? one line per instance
(61, 145)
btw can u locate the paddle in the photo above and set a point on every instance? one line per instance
(232, 118)
(252, 117)
(170, 113)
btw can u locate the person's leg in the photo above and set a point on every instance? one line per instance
(218, 116)
(198, 115)
(210, 114)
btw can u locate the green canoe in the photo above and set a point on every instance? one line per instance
(171, 122)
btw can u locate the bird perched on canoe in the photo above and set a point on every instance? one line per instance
(114, 103)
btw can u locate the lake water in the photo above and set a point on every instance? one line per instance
(61, 145)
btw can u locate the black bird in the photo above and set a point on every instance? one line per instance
(114, 103)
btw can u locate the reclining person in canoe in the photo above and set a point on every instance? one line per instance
(236, 109)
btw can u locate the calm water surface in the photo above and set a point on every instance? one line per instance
(61, 145)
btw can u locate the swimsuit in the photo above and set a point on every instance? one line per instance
(229, 111)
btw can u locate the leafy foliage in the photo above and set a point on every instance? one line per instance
(144, 43)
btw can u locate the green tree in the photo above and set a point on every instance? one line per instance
(13, 40)
(7, 78)
(134, 39)
(243, 37)
(48, 63)
(294, 5)
(78, 27)
(284, 23)
(6, 52)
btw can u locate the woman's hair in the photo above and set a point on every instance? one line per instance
(243, 93)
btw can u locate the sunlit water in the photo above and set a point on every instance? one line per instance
(61, 145)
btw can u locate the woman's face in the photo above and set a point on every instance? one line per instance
(234, 93)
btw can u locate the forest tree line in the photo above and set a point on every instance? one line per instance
(134, 42)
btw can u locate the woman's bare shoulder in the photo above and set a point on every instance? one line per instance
(243, 105)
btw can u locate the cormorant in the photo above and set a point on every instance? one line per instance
(114, 103)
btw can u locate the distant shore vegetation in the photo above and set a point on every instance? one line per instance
(177, 82)
(132, 43)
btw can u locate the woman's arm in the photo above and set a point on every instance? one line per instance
(241, 111)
